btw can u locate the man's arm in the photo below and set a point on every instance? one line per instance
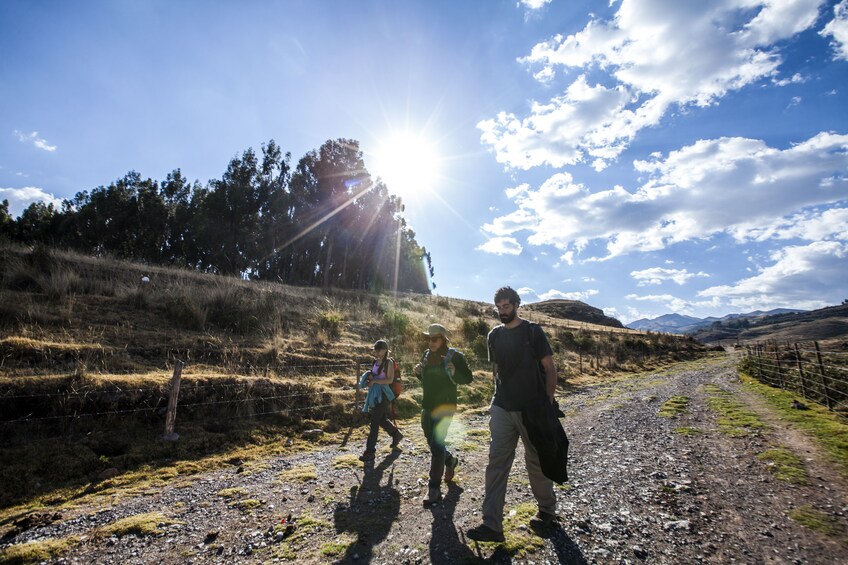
(550, 376)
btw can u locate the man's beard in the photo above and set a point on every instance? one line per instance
(507, 318)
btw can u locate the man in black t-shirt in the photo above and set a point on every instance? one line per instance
(518, 350)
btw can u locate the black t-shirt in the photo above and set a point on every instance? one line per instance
(517, 353)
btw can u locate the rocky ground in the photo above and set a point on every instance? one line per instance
(643, 488)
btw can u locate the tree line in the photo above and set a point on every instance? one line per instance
(326, 222)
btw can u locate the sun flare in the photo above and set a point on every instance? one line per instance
(408, 164)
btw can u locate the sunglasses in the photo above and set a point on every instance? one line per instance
(434, 338)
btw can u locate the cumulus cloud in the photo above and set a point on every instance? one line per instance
(658, 275)
(33, 138)
(807, 276)
(20, 198)
(657, 55)
(502, 246)
(729, 185)
(837, 29)
(528, 295)
(534, 4)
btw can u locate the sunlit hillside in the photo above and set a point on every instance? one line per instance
(89, 346)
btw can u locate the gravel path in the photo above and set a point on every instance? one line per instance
(641, 491)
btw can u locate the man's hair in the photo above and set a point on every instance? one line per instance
(507, 293)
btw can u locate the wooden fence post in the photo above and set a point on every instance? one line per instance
(800, 371)
(171, 418)
(356, 386)
(822, 377)
(779, 368)
(759, 362)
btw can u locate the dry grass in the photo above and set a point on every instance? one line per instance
(86, 348)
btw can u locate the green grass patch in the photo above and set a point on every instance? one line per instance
(232, 492)
(826, 427)
(820, 522)
(520, 539)
(294, 547)
(139, 525)
(785, 465)
(302, 473)
(347, 461)
(674, 406)
(247, 504)
(688, 431)
(338, 546)
(734, 417)
(37, 551)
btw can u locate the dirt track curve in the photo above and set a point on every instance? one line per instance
(641, 491)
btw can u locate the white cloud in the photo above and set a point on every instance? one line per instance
(528, 295)
(809, 225)
(577, 295)
(502, 246)
(517, 191)
(671, 303)
(534, 4)
(33, 138)
(805, 276)
(20, 198)
(794, 79)
(658, 275)
(658, 54)
(734, 185)
(837, 29)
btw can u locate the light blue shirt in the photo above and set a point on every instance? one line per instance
(376, 392)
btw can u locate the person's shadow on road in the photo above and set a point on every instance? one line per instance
(446, 546)
(369, 514)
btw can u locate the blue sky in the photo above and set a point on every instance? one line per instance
(645, 156)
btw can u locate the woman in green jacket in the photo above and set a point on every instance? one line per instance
(441, 369)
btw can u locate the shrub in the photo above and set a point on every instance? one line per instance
(185, 312)
(471, 328)
(396, 323)
(330, 323)
(480, 348)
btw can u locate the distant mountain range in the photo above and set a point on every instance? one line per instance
(680, 324)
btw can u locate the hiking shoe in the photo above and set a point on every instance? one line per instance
(396, 440)
(450, 467)
(485, 533)
(367, 456)
(434, 495)
(543, 519)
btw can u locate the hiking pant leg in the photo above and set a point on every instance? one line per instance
(436, 431)
(387, 424)
(542, 487)
(504, 439)
(377, 414)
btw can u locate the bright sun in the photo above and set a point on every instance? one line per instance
(407, 163)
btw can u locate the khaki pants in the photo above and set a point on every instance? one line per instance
(505, 428)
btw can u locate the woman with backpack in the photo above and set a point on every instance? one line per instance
(440, 370)
(379, 399)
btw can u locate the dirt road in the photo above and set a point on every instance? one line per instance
(644, 488)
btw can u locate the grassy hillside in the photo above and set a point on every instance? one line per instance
(87, 351)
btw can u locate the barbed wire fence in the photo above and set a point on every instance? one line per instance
(243, 398)
(802, 367)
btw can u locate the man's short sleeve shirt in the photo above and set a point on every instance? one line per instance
(517, 353)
